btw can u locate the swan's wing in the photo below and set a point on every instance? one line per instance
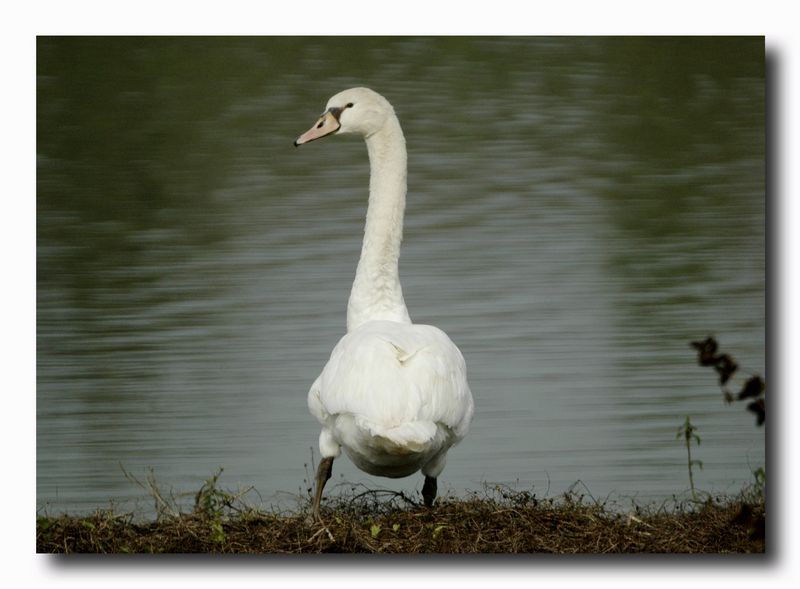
(394, 374)
(314, 403)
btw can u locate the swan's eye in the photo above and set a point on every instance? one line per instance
(349, 105)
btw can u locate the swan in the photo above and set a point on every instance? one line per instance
(394, 394)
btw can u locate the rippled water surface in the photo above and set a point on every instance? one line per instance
(578, 211)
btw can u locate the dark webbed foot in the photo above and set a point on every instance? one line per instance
(429, 491)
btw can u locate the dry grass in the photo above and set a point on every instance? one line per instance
(499, 520)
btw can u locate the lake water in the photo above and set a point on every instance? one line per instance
(578, 211)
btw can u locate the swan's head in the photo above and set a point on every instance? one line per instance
(357, 110)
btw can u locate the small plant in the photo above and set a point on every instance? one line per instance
(753, 389)
(760, 487)
(209, 500)
(761, 476)
(688, 432)
(163, 507)
(211, 503)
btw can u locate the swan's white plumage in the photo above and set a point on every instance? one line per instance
(393, 394)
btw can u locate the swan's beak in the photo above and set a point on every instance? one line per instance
(328, 123)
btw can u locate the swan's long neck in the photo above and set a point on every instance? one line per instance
(376, 292)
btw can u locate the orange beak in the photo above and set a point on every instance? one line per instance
(328, 123)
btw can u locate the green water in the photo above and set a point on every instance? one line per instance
(579, 209)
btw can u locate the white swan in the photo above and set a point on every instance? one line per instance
(394, 395)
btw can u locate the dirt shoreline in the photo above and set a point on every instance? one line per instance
(496, 521)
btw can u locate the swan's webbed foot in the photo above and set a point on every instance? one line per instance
(323, 474)
(429, 491)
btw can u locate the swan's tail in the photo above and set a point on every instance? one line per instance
(407, 438)
(387, 450)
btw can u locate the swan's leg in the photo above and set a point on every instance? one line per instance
(429, 490)
(323, 474)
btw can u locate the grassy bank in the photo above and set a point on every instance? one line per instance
(495, 521)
